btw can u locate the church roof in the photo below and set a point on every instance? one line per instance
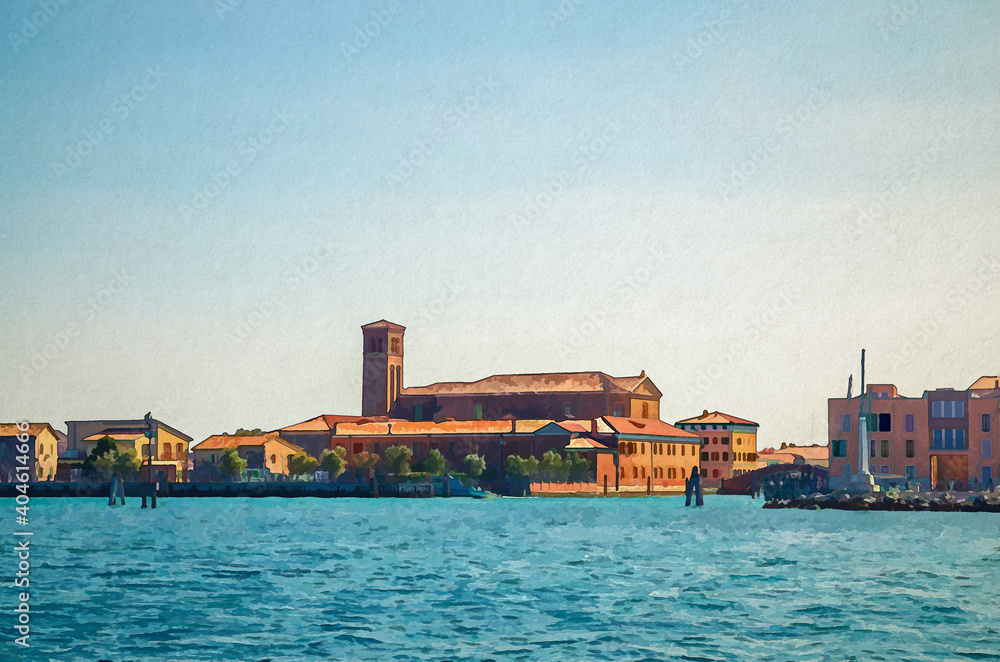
(549, 382)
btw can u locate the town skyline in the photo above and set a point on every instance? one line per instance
(203, 203)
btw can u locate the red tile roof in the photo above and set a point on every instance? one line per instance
(321, 423)
(383, 324)
(223, 441)
(715, 418)
(647, 426)
(34, 429)
(585, 444)
(549, 382)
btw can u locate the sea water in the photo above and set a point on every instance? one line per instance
(505, 579)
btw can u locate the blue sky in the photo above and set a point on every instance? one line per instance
(202, 202)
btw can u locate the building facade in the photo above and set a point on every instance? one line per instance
(169, 452)
(266, 455)
(728, 445)
(941, 438)
(42, 441)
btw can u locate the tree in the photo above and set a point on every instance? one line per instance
(127, 464)
(474, 465)
(365, 461)
(301, 464)
(397, 459)
(231, 464)
(530, 465)
(436, 464)
(104, 446)
(104, 465)
(334, 461)
(552, 463)
(579, 465)
(521, 467)
(241, 432)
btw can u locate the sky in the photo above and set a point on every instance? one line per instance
(202, 202)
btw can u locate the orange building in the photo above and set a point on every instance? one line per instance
(728, 445)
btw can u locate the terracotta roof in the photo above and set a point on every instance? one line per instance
(715, 418)
(117, 436)
(222, 441)
(383, 324)
(986, 382)
(34, 429)
(321, 423)
(548, 382)
(344, 429)
(648, 426)
(530, 426)
(585, 444)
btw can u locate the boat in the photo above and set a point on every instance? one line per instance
(458, 489)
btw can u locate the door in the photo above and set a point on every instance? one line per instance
(987, 476)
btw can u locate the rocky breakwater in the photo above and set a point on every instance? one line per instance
(896, 501)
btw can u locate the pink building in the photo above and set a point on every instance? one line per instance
(942, 436)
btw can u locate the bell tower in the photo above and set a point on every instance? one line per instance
(383, 367)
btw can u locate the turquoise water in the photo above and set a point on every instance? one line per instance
(506, 579)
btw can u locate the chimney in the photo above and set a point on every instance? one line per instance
(593, 427)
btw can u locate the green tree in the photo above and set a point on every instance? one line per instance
(436, 464)
(365, 461)
(231, 464)
(516, 467)
(474, 465)
(552, 464)
(242, 432)
(127, 464)
(334, 461)
(104, 446)
(530, 464)
(301, 464)
(397, 459)
(579, 466)
(105, 465)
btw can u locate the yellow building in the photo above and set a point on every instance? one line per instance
(170, 453)
(44, 449)
(262, 451)
(728, 445)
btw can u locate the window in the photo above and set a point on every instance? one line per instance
(884, 469)
(725, 440)
(839, 447)
(213, 458)
(715, 440)
(682, 450)
(725, 457)
(715, 473)
(474, 447)
(621, 448)
(643, 473)
(704, 457)
(910, 471)
(715, 457)
(986, 449)
(885, 448)
(180, 451)
(642, 451)
(394, 345)
(635, 472)
(948, 409)
(704, 441)
(910, 450)
(683, 476)
(618, 410)
(704, 473)
(623, 472)
(167, 453)
(885, 422)
(478, 409)
(645, 410)
(274, 459)
(845, 422)
(985, 422)
(392, 382)
(418, 412)
(416, 449)
(871, 448)
(949, 439)
(399, 379)
(911, 425)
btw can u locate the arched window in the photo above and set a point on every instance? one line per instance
(394, 345)
(715, 440)
(682, 450)
(274, 458)
(392, 382)
(180, 451)
(167, 454)
(635, 472)
(643, 472)
(645, 410)
(715, 473)
(725, 457)
(621, 448)
(683, 476)
(642, 451)
(399, 379)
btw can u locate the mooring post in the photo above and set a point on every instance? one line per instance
(155, 485)
(121, 490)
(112, 494)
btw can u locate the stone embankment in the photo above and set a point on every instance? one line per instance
(896, 501)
